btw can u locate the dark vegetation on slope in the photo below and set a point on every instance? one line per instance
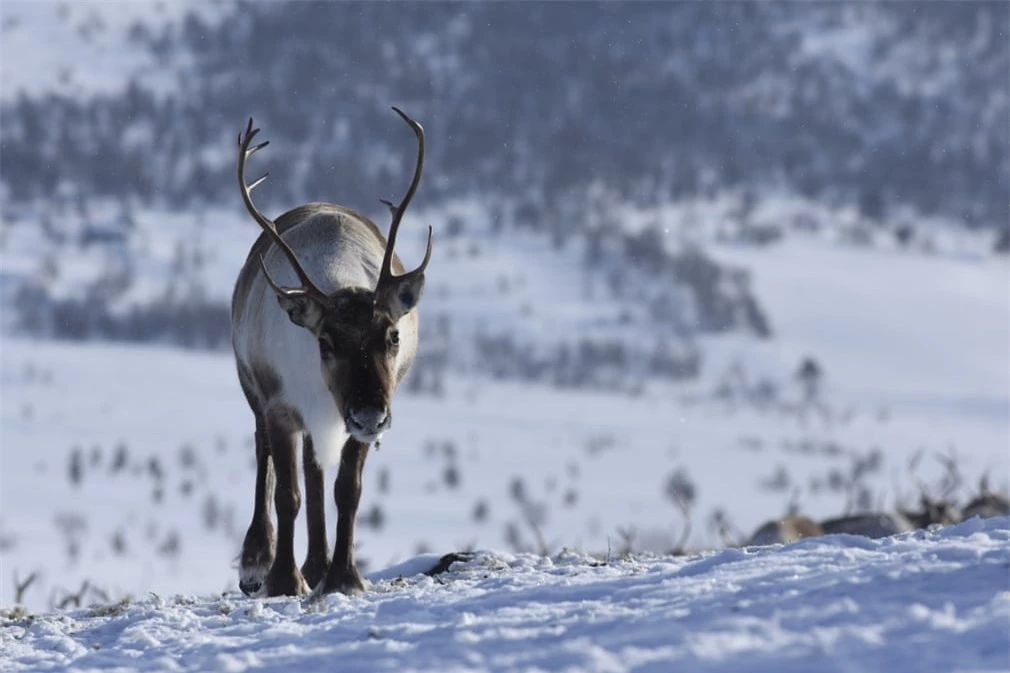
(551, 114)
(519, 511)
(875, 104)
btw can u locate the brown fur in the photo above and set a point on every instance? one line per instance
(785, 530)
(868, 525)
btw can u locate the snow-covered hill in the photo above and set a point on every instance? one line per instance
(120, 217)
(76, 33)
(878, 106)
(916, 603)
(131, 467)
(691, 207)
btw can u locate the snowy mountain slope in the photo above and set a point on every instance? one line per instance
(88, 49)
(929, 336)
(915, 603)
(130, 467)
(169, 516)
(71, 247)
(877, 105)
(497, 300)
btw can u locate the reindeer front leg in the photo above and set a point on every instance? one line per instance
(343, 575)
(318, 558)
(284, 578)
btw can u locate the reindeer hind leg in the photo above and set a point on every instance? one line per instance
(260, 541)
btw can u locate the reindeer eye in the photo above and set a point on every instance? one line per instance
(394, 337)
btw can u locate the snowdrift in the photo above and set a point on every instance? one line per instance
(925, 601)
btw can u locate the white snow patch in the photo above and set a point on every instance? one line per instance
(83, 48)
(923, 601)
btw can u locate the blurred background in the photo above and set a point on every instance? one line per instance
(697, 265)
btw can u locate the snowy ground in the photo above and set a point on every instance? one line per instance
(928, 601)
(915, 344)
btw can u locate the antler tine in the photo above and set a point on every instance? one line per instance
(386, 272)
(427, 254)
(308, 288)
(913, 465)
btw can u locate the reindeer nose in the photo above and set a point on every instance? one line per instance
(368, 421)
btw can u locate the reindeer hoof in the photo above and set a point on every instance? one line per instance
(250, 587)
(281, 582)
(257, 558)
(252, 577)
(345, 581)
(314, 570)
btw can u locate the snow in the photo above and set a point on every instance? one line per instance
(916, 351)
(540, 301)
(924, 335)
(95, 33)
(855, 45)
(919, 602)
(915, 344)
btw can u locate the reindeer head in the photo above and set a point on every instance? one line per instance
(932, 512)
(988, 502)
(358, 329)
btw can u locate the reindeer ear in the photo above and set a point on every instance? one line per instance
(303, 311)
(400, 296)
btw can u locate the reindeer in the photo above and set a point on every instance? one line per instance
(318, 360)
(987, 503)
(882, 524)
(933, 512)
(788, 529)
(941, 510)
(873, 525)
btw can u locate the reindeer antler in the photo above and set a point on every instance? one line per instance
(386, 272)
(308, 288)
